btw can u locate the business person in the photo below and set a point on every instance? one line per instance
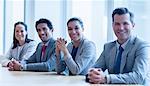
(80, 53)
(44, 57)
(127, 58)
(22, 47)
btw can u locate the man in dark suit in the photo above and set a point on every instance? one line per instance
(127, 59)
(44, 57)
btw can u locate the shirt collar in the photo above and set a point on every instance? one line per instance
(46, 44)
(123, 45)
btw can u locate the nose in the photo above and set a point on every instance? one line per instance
(73, 31)
(41, 32)
(19, 33)
(121, 27)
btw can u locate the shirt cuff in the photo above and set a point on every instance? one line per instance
(23, 67)
(108, 79)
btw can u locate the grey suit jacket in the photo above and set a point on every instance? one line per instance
(48, 63)
(85, 58)
(25, 53)
(134, 63)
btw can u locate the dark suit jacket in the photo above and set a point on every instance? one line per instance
(48, 63)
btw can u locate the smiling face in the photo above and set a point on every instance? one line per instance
(122, 27)
(44, 32)
(20, 33)
(75, 30)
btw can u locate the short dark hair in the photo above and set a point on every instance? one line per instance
(121, 11)
(43, 20)
(75, 19)
(15, 41)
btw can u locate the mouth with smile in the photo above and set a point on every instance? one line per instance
(43, 36)
(121, 32)
(73, 36)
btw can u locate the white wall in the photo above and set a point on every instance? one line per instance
(96, 16)
(51, 10)
(14, 13)
(1, 25)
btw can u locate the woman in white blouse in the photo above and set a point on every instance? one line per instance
(22, 47)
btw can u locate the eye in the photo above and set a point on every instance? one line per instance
(44, 29)
(125, 23)
(38, 30)
(76, 28)
(69, 28)
(117, 23)
(22, 31)
(17, 31)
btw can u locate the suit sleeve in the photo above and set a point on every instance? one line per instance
(5, 59)
(60, 63)
(49, 65)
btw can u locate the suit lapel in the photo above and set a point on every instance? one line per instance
(125, 53)
(80, 48)
(49, 49)
(22, 52)
(113, 56)
(39, 52)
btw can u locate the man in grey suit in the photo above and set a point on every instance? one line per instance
(44, 57)
(128, 64)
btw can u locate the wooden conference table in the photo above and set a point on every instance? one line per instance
(24, 78)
